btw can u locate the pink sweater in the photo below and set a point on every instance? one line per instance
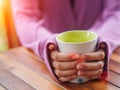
(38, 21)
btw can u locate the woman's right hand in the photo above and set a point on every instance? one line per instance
(64, 64)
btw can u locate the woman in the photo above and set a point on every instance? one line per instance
(39, 21)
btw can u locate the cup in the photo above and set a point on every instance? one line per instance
(77, 41)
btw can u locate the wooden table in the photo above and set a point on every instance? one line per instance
(20, 69)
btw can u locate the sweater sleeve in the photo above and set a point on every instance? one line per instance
(108, 28)
(31, 28)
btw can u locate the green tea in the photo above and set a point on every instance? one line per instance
(77, 36)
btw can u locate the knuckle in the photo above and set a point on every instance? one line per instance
(56, 65)
(53, 64)
(58, 73)
(55, 57)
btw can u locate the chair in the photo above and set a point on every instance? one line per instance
(11, 34)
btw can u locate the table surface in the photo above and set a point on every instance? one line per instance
(20, 69)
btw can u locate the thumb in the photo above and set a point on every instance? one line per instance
(51, 47)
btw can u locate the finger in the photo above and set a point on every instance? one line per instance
(90, 74)
(102, 45)
(99, 55)
(68, 78)
(90, 65)
(82, 59)
(65, 73)
(58, 56)
(64, 65)
(51, 47)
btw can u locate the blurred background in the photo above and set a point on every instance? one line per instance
(8, 38)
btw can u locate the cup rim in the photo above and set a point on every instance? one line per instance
(76, 42)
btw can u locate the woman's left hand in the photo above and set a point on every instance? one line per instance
(93, 65)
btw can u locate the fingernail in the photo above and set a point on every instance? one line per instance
(51, 47)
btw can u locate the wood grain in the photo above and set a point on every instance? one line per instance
(101, 85)
(37, 65)
(22, 70)
(114, 79)
(115, 57)
(2, 88)
(114, 66)
(30, 61)
(27, 75)
(10, 81)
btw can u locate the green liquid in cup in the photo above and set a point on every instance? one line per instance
(77, 36)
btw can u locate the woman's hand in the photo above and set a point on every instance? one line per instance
(64, 64)
(93, 67)
(69, 66)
